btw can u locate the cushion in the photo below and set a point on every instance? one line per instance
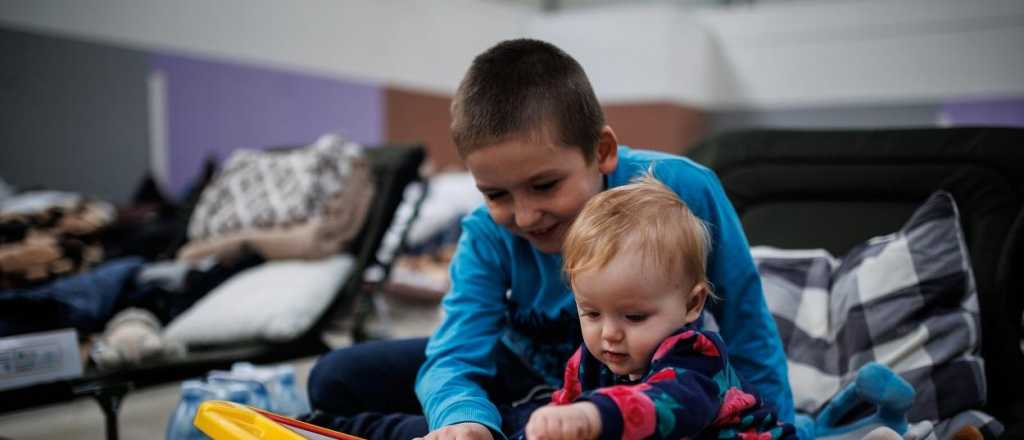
(261, 190)
(907, 300)
(276, 302)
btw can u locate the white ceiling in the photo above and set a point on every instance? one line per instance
(561, 5)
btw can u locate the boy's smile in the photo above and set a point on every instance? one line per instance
(536, 189)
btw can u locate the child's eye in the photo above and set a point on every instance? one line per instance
(494, 195)
(637, 317)
(590, 314)
(541, 187)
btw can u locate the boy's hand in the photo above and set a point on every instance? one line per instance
(554, 422)
(461, 431)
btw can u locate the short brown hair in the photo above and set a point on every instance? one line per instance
(525, 87)
(646, 214)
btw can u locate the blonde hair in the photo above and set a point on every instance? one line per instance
(646, 214)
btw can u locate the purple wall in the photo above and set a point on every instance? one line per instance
(992, 112)
(216, 107)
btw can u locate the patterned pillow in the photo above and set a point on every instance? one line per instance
(907, 300)
(260, 190)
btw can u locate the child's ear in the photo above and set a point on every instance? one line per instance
(607, 151)
(695, 303)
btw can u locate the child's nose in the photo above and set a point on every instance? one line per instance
(611, 332)
(526, 214)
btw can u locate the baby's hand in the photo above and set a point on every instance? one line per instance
(554, 422)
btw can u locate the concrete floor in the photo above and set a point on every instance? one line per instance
(144, 413)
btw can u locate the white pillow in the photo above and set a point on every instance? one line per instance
(277, 301)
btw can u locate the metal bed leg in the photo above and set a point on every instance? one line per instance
(109, 397)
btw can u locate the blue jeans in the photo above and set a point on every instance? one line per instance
(368, 390)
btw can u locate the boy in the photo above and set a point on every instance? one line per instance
(530, 130)
(635, 258)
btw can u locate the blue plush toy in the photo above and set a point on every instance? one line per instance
(876, 385)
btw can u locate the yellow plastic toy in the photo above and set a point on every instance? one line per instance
(223, 420)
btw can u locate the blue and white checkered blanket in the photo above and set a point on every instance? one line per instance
(907, 300)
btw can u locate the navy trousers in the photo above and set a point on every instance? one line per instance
(368, 390)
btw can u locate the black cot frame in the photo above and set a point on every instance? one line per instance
(395, 167)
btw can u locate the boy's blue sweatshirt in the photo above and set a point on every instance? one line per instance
(504, 291)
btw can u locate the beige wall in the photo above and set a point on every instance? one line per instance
(659, 126)
(414, 116)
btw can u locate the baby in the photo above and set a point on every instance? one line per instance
(635, 257)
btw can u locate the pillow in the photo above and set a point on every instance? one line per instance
(906, 300)
(277, 301)
(262, 190)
